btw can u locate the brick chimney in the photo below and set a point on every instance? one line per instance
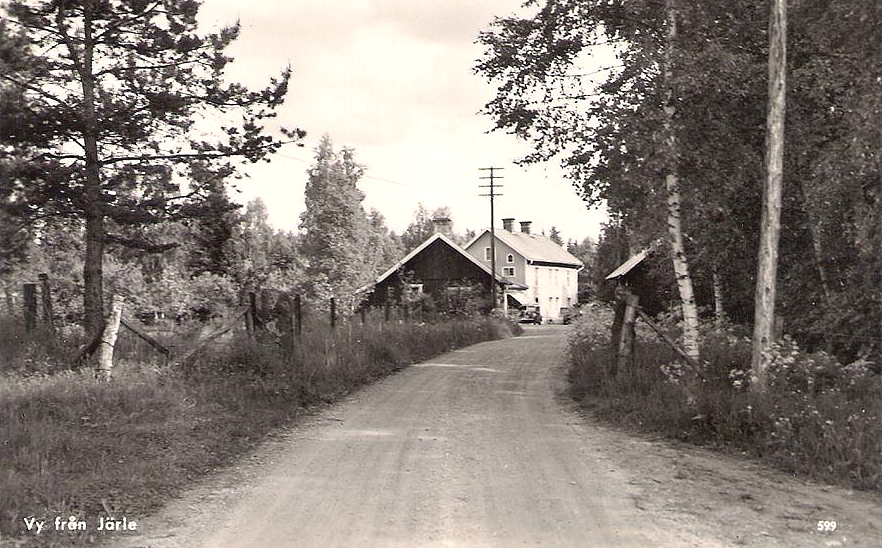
(442, 225)
(525, 226)
(508, 224)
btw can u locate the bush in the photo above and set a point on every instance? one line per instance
(819, 418)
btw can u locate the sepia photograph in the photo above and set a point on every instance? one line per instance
(440, 273)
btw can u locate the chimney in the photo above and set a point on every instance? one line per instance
(508, 224)
(442, 225)
(525, 226)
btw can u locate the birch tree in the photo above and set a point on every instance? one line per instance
(549, 94)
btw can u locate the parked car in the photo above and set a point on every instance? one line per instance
(530, 314)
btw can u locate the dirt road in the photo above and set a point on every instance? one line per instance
(479, 448)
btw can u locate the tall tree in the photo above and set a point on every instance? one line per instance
(110, 104)
(554, 236)
(672, 187)
(766, 276)
(336, 228)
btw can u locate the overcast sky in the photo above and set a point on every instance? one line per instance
(393, 80)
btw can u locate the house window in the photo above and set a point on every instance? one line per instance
(509, 259)
(536, 281)
(415, 289)
(487, 255)
(508, 271)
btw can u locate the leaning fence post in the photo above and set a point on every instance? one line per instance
(30, 306)
(333, 312)
(46, 297)
(298, 316)
(108, 340)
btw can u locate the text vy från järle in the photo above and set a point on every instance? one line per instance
(75, 524)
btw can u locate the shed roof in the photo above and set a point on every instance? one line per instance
(629, 265)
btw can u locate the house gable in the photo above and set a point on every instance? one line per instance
(436, 264)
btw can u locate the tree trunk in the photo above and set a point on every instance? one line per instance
(815, 230)
(767, 263)
(93, 211)
(672, 186)
(108, 340)
(719, 307)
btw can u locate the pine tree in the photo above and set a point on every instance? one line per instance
(107, 106)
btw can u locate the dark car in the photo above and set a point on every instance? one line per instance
(530, 314)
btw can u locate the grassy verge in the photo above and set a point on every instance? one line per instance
(820, 419)
(72, 446)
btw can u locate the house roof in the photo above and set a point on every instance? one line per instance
(533, 247)
(438, 236)
(628, 265)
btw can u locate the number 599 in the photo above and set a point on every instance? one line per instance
(824, 525)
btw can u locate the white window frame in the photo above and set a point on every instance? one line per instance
(506, 270)
(487, 255)
(509, 259)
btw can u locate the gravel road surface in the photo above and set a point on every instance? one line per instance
(482, 448)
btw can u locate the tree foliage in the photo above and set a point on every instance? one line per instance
(118, 113)
(336, 230)
(602, 120)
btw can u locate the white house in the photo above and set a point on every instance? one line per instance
(542, 273)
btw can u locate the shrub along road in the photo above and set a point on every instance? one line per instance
(482, 447)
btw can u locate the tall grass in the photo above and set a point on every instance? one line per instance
(72, 446)
(820, 418)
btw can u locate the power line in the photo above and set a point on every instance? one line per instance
(410, 185)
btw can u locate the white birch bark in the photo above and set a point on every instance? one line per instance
(719, 308)
(108, 340)
(672, 186)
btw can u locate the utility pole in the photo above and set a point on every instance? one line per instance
(492, 194)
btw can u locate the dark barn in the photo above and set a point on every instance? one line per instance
(432, 268)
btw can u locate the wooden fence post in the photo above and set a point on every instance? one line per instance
(626, 345)
(298, 316)
(30, 306)
(108, 340)
(615, 339)
(387, 305)
(362, 312)
(333, 313)
(405, 309)
(46, 298)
